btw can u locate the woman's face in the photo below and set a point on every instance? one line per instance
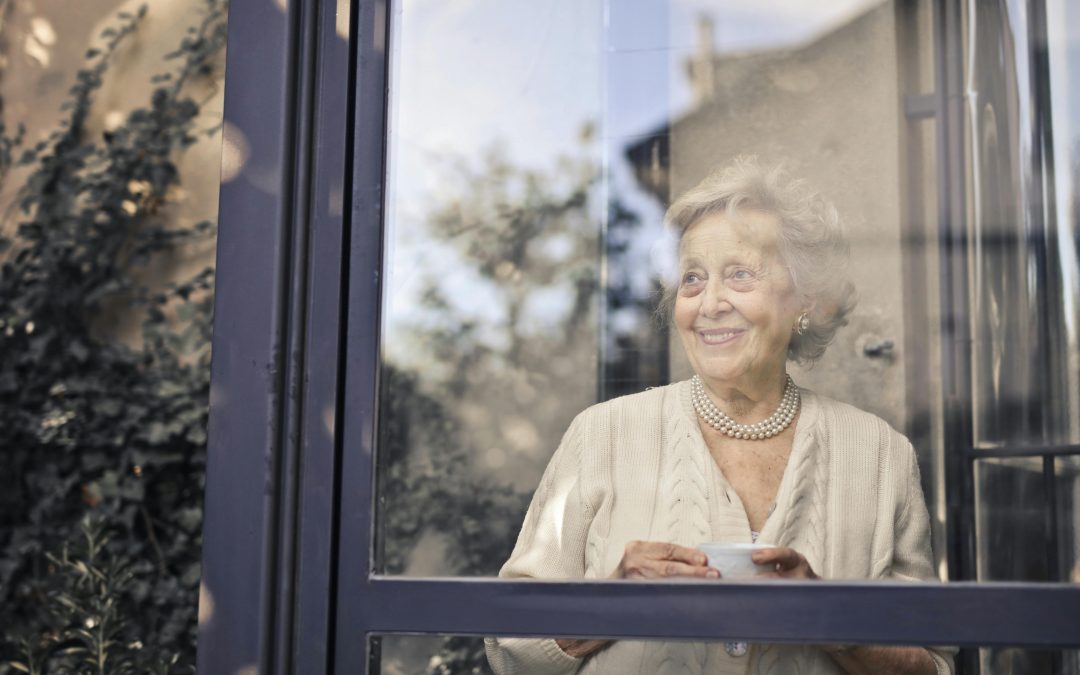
(736, 304)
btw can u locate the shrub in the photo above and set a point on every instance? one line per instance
(88, 425)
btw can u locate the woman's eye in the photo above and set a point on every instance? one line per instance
(741, 279)
(691, 278)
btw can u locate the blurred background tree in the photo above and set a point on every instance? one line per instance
(92, 426)
(478, 382)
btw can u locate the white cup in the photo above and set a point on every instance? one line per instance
(733, 560)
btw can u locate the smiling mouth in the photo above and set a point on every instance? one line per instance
(719, 336)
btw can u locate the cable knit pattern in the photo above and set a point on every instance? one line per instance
(685, 497)
(685, 489)
(804, 521)
(599, 465)
(637, 467)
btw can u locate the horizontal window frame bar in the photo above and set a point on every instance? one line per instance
(1018, 452)
(866, 612)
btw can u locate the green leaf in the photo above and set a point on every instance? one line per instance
(157, 432)
(134, 406)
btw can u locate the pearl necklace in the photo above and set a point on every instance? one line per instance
(766, 428)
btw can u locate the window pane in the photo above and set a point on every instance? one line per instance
(534, 151)
(492, 288)
(457, 655)
(1063, 40)
(1019, 661)
(527, 181)
(1023, 259)
(1024, 317)
(460, 655)
(1068, 516)
(1027, 519)
(1013, 518)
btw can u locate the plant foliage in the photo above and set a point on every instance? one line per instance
(93, 426)
(515, 233)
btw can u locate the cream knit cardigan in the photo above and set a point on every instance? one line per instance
(637, 467)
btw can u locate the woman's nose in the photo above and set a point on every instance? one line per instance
(714, 301)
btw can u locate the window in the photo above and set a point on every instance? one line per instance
(510, 165)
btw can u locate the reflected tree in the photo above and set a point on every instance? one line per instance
(490, 359)
(523, 242)
(514, 234)
(425, 487)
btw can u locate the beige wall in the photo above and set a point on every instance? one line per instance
(831, 110)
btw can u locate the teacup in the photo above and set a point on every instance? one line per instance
(733, 560)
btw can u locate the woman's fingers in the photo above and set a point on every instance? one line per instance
(659, 569)
(657, 560)
(787, 562)
(658, 550)
(785, 558)
(652, 560)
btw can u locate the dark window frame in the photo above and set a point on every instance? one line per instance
(290, 501)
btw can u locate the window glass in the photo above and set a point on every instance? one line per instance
(453, 654)
(533, 152)
(1021, 166)
(1067, 487)
(1063, 40)
(1015, 543)
(1023, 258)
(491, 327)
(1029, 661)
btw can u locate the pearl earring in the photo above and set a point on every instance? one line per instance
(802, 324)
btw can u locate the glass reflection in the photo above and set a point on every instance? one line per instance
(737, 471)
(1027, 515)
(490, 324)
(1067, 490)
(534, 149)
(1063, 46)
(1009, 276)
(457, 655)
(524, 269)
(1024, 255)
(1013, 517)
(1024, 294)
(1018, 661)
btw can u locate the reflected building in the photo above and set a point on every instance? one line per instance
(827, 109)
(837, 109)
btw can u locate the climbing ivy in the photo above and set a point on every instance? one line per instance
(102, 444)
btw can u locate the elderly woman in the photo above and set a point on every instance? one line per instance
(737, 453)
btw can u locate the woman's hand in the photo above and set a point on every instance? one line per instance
(657, 560)
(647, 560)
(579, 649)
(787, 563)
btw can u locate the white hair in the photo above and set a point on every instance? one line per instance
(811, 242)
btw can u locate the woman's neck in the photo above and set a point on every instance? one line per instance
(751, 400)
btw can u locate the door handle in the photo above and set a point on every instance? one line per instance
(878, 348)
